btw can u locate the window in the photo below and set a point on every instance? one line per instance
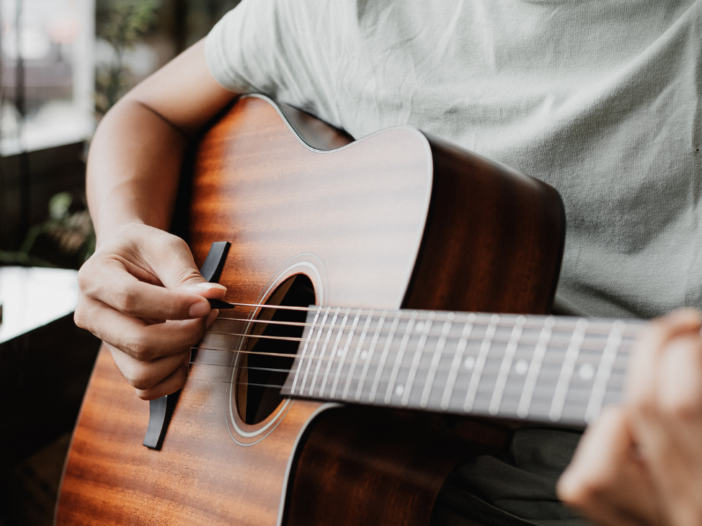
(47, 73)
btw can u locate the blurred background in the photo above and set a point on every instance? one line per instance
(63, 64)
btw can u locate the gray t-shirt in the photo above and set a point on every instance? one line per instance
(599, 99)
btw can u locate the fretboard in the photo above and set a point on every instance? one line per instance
(541, 368)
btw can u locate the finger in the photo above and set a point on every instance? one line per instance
(143, 376)
(160, 254)
(171, 384)
(167, 256)
(679, 388)
(670, 432)
(107, 280)
(142, 341)
(604, 481)
(644, 362)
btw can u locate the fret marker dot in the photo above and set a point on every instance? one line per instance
(521, 367)
(586, 371)
(364, 355)
(419, 326)
(469, 363)
(399, 390)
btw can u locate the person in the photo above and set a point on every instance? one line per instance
(599, 99)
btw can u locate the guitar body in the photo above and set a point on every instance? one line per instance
(393, 220)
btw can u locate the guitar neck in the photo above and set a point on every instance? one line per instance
(540, 368)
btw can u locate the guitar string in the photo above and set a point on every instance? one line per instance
(577, 398)
(535, 399)
(614, 382)
(476, 323)
(565, 320)
(587, 345)
(560, 330)
(592, 324)
(543, 375)
(343, 362)
(622, 353)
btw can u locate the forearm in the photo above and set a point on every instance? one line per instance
(133, 168)
(135, 157)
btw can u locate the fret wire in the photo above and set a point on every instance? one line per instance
(480, 363)
(436, 357)
(332, 355)
(506, 365)
(416, 359)
(324, 350)
(400, 355)
(369, 355)
(383, 357)
(603, 372)
(567, 369)
(314, 350)
(304, 351)
(355, 356)
(534, 367)
(344, 352)
(457, 360)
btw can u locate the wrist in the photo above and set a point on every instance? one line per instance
(116, 229)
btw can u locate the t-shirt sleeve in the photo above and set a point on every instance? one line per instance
(274, 47)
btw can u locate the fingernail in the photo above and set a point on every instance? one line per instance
(199, 309)
(210, 286)
(211, 317)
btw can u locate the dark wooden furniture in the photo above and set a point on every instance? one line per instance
(45, 365)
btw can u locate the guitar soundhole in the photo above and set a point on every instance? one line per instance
(262, 375)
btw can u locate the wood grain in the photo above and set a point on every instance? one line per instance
(493, 241)
(200, 477)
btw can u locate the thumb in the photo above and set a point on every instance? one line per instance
(172, 261)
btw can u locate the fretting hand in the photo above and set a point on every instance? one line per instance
(641, 463)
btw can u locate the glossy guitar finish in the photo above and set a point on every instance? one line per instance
(393, 220)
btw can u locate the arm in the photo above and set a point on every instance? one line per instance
(641, 463)
(141, 292)
(138, 148)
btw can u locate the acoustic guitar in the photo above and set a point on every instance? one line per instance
(390, 294)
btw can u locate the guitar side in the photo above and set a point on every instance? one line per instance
(379, 240)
